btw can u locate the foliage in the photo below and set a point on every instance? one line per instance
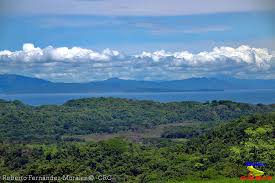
(23, 123)
(215, 154)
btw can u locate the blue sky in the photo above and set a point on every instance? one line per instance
(135, 26)
(133, 34)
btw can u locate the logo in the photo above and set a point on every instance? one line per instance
(255, 174)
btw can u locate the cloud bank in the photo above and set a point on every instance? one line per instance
(80, 65)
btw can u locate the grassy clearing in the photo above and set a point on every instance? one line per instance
(135, 136)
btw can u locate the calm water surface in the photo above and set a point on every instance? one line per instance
(247, 96)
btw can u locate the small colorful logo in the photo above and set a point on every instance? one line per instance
(255, 174)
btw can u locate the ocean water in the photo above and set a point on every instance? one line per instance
(246, 96)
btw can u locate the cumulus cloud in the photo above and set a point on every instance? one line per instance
(79, 64)
(257, 57)
(31, 54)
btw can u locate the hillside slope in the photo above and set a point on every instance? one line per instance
(109, 115)
(215, 155)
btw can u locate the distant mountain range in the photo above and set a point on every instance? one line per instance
(21, 84)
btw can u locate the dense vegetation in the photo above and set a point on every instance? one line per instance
(219, 152)
(184, 131)
(20, 122)
(224, 136)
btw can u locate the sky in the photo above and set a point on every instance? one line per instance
(87, 40)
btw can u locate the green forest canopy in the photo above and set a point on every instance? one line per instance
(20, 122)
(218, 153)
(31, 144)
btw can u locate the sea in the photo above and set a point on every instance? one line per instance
(261, 96)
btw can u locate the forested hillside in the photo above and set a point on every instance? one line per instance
(216, 154)
(20, 122)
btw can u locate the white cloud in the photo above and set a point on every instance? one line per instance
(29, 53)
(160, 29)
(256, 57)
(79, 64)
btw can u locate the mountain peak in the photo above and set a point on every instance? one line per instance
(10, 83)
(113, 79)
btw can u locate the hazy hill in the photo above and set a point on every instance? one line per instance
(21, 84)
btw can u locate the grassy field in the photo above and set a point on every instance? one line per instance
(135, 136)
